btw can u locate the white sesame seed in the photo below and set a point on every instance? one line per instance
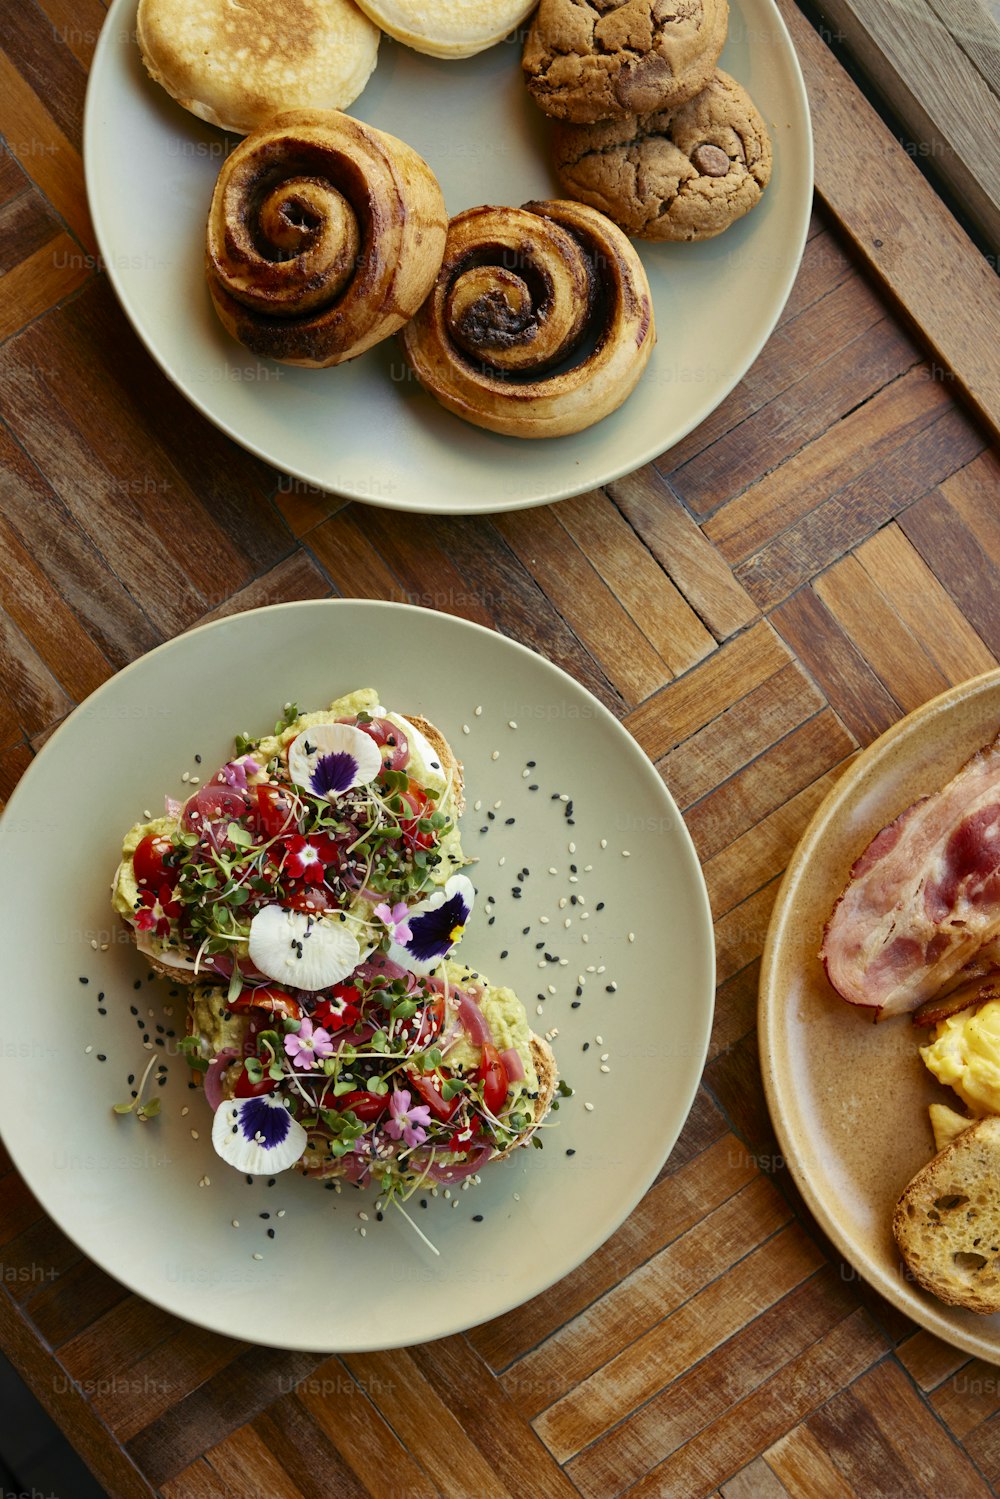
(574, 879)
(479, 711)
(196, 780)
(517, 1197)
(87, 1050)
(525, 774)
(502, 860)
(455, 1203)
(551, 988)
(466, 729)
(604, 843)
(147, 1046)
(553, 869)
(563, 902)
(186, 776)
(591, 968)
(478, 806)
(568, 922)
(257, 1256)
(497, 806)
(184, 1111)
(626, 854)
(584, 915)
(363, 1217)
(364, 1233)
(495, 755)
(589, 1107)
(447, 1191)
(104, 948)
(195, 1135)
(564, 798)
(602, 967)
(631, 936)
(613, 986)
(148, 815)
(572, 848)
(543, 920)
(581, 978)
(605, 1055)
(541, 964)
(539, 1010)
(236, 1223)
(605, 1069)
(564, 962)
(93, 943)
(584, 936)
(511, 724)
(587, 868)
(599, 1039)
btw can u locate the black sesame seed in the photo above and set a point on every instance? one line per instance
(609, 988)
(100, 996)
(491, 817)
(101, 1010)
(133, 1009)
(192, 1086)
(146, 1036)
(516, 892)
(271, 1181)
(84, 979)
(263, 1215)
(491, 921)
(423, 1202)
(554, 797)
(539, 946)
(579, 990)
(484, 830)
(599, 906)
(101, 1057)
(131, 1077)
(379, 1217)
(574, 1004)
(509, 822)
(162, 1080)
(477, 1217)
(249, 1181)
(505, 952)
(197, 759)
(532, 788)
(586, 1046)
(571, 1152)
(134, 1093)
(270, 1233)
(570, 823)
(525, 930)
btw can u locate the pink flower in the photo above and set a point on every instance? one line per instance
(308, 1044)
(406, 1121)
(394, 917)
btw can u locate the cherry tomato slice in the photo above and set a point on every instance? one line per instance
(426, 1086)
(391, 741)
(420, 806)
(431, 1020)
(213, 804)
(493, 1076)
(273, 1001)
(273, 809)
(246, 1089)
(367, 1106)
(149, 860)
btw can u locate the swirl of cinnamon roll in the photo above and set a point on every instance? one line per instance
(540, 321)
(324, 237)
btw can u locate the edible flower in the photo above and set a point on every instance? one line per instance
(410, 1123)
(332, 758)
(395, 918)
(339, 1011)
(300, 950)
(436, 924)
(257, 1135)
(156, 910)
(307, 858)
(308, 1045)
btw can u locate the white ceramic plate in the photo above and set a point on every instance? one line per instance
(129, 1194)
(366, 429)
(849, 1098)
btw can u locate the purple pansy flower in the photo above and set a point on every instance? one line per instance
(332, 758)
(257, 1135)
(406, 1121)
(436, 924)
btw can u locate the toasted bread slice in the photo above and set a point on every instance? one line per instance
(451, 765)
(947, 1222)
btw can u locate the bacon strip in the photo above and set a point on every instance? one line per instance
(924, 896)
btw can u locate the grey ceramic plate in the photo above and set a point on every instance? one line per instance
(849, 1098)
(151, 167)
(129, 1194)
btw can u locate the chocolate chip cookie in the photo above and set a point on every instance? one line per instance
(588, 60)
(680, 174)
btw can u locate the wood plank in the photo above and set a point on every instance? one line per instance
(928, 1360)
(851, 687)
(739, 934)
(244, 1465)
(964, 567)
(29, 693)
(417, 557)
(298, 577)
(934, 88)
(631, 572)
(633, 1376)
(926, 609)
(921, 1449)
(656, 515)
(53, 272)
(968, 1397)
(635, 1333)
(805, 1469)
(14, 761)
(755, 1481)
(593, 613)
(701, 696)
(305, 1452)
(668, 1210)
(744, 731)
(362, 1437)
(899, 225)
(45, 152)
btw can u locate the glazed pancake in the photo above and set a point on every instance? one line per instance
(236, 63)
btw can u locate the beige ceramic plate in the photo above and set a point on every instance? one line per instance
(130, 1195)
(849, 1098)
(151, 167)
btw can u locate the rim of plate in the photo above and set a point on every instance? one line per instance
(933, 1317)
(693, 875)
(107, 40)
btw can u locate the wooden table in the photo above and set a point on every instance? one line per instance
(820, 557)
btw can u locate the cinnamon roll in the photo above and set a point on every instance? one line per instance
(324, 236)
(539, 323)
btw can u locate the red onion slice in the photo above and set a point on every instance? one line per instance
(511, 1058)
(459, 1170)
(217, 1067)
(476, 1025)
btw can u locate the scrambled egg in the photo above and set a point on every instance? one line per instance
(965, 1055)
